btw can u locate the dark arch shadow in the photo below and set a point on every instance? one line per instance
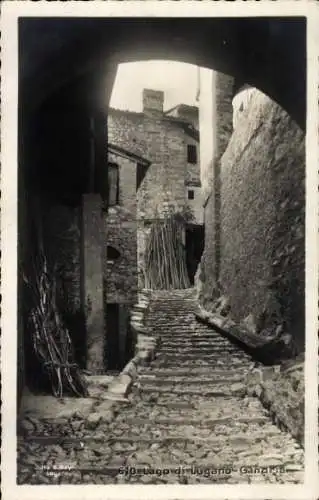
(268, 53)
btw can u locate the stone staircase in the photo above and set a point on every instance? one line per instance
(186, 420)
(189, 414)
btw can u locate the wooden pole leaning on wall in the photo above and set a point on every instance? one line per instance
(165, 259)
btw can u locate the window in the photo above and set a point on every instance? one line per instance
(190, 194)
(113, 184)
(191, 153)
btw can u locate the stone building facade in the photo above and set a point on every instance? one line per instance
(125, 171)
(170, 142)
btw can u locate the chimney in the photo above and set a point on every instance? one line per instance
(153, 101)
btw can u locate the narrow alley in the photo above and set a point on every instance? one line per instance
(187, 418)
(161, 247)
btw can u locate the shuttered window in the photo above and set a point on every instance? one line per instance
(113, 184)
(191, 153)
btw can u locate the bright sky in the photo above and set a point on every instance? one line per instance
(177, 80)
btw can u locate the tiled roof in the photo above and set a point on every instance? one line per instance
(188, 128)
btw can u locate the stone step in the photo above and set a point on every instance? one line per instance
(177, 314)
(156, 436)
(195, 342)
(176, 335)
(197, 412)
(193, 372)
(186, 307)
(216, 390)
(177, 358)
(188, 335)
(181, 400)
(179, 307)
(218, 424)
(183, 325)
(188, 380)
(170, 363)
(170, 307)
(197, 351)
(234, 352)
(177, 321)
(172, 310)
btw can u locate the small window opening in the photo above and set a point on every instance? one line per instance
(191, 153)
(190, 194)
(112, 255)
(113, 184)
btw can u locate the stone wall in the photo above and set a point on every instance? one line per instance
(143, 231)
(281, 389)
(205, 279)
(121, 275)
(161, 142)
(59, 225)
(262, 223)
(240, 103)
(62, 237)
(127, 183)
(216, 115)
(195, 205)
(121, 234)
(216, 129)
(224, 111)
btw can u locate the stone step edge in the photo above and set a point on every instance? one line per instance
(207, 423)
(221, 440)
(197, 350)
(170, 363)
(179, 372)
(189, 406)
(162, 354)
(189, 380)
(240, 392)
(196, 344)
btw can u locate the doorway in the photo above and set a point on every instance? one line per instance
(119, 345)
(195, 238)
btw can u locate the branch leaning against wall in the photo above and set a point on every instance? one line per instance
(50, 338)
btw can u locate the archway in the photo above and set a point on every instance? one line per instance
(266, 53)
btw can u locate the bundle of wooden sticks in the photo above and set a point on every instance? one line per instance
(50, 337)
(165, 259)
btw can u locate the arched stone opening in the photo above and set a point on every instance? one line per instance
(112, 254)
(254, 51)
(266, 53)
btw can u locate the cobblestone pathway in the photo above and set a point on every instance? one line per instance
(188, 419)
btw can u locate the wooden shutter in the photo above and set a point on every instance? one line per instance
(113, 184)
